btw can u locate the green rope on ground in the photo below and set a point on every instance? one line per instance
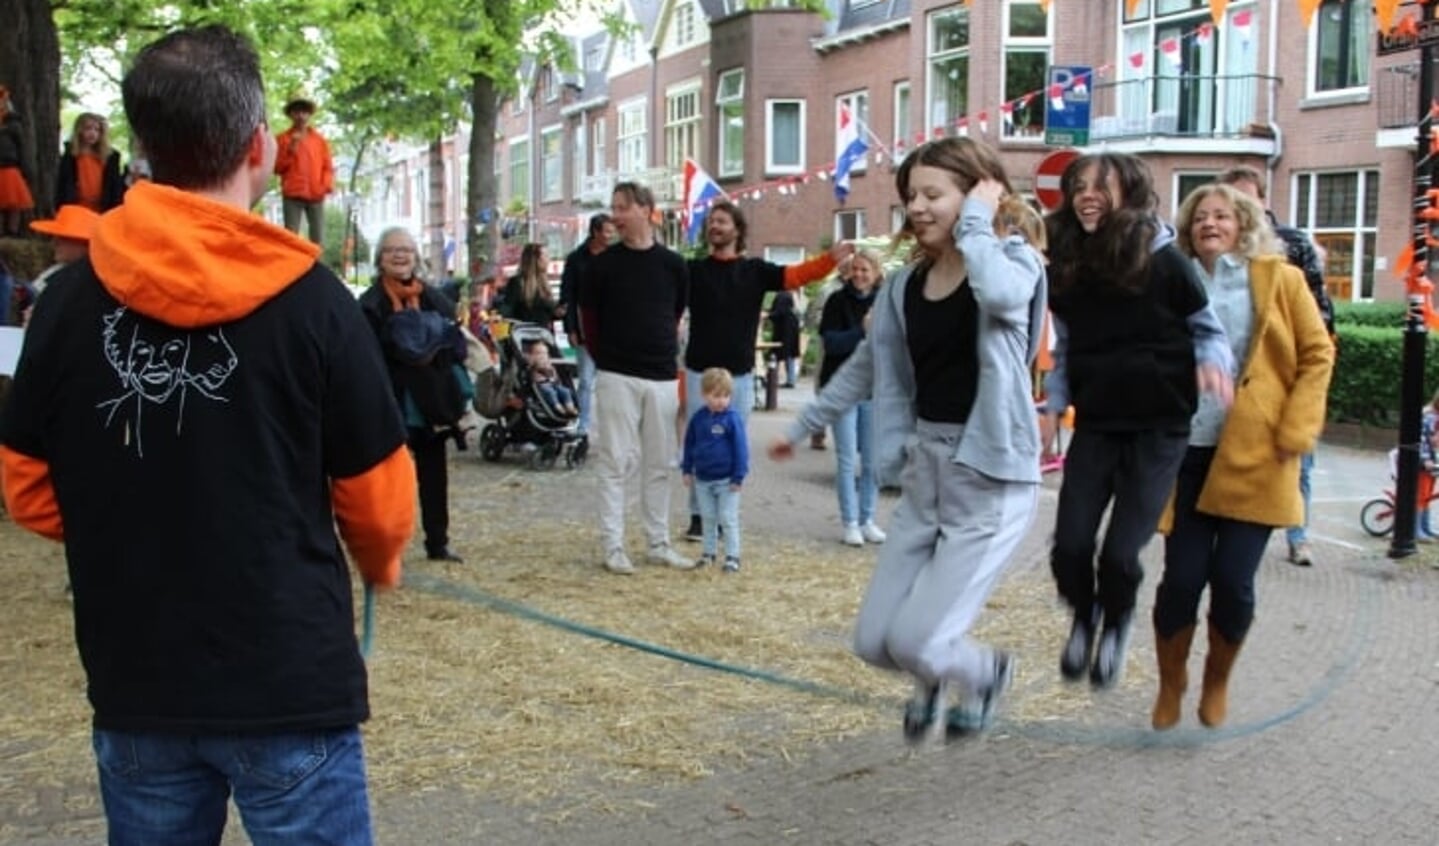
(367, 630)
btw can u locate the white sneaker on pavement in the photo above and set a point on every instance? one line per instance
(616, 561)
(852, 535)
(665, 554)
(872, 533)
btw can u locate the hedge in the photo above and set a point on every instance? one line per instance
(1365, 387)
(1387, 315)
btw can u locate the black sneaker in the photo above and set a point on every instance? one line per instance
(1074, 660)
(920, 714)
(696, 530)
(1109, 656)
(978, 713)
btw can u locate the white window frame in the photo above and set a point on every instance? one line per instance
(597, 146)
(684, 24)
(552, 163)
(1311, 60)
(931, 58)
(684, 124)
(632, 135)
(857, 215)
(1008, 130)
(1365, 235)
(1178, 179)
(771, 167)
(903, 122)
(858, 102)
(514, 163)
(729, 106)
(578, 158)
(552, 86)
(784, 254)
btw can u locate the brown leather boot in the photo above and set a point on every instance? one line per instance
(1214, 701)
(1173, 654)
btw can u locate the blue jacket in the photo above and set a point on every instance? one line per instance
(716, 446)
(1001, 438)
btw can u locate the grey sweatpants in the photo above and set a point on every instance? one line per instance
(950, 538)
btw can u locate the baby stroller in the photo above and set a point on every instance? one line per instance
(522, 418)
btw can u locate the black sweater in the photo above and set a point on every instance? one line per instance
(725, 300)
(631, 302)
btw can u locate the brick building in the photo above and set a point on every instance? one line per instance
(754, 94)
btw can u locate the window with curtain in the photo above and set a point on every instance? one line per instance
(784, 136)
(597, 146)
(902, 128)
(633, 137)
(948, 63)
(1342, 39)
(729, 105)
(1341, 210)
(1026, 56)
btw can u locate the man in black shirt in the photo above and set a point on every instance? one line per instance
(602, 234)
(631, 301)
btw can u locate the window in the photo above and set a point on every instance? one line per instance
(902, 128)
(729, 100)
(577, 159)
(520, 169)
(1213, 89)
(948, 62)
(597, 146)
(552, 85)
(1339, 46)
(897, 218)
(1341, 211)
(1026, 56)
(684, 24)
(682, 125)
(858, 104)
(552, 164)
(633, 137)
(1184, 183)
(594, 58)
(784, 136)
(848, 224)
(784, 254)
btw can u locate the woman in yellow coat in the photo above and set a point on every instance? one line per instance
(1240, 475)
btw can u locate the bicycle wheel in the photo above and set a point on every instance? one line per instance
(1377, 517)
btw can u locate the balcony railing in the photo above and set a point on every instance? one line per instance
(1183, 105)
(665, 183)
(1396, 94)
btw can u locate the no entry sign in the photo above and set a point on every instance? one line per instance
(1046, 177)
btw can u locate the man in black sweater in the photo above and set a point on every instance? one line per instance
(602, 234)
(631, 301)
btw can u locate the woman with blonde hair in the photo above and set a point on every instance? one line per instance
(1239, 478)
(946, 359)
(89, 172)
(527, 296)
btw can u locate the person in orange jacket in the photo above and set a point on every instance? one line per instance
(306, 171)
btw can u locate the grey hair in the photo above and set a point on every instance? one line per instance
(385, 235)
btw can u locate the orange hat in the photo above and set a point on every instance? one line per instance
(74, 222)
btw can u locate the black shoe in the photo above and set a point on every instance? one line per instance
(696, 531)
(920, 714)
(1109, 657)
(978, 714)
(1074, 660)
(444, 553)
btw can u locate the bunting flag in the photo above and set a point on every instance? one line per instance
(962, 125)
(1169, 49)
(1136, 60)
(1203, 34)
(984, 123)
(1307, 9)
(1056, 96)
(1080, 88)
(852, 151)
(1243, 23)
(1216, 10)
(1131, 5)
(1384, 12)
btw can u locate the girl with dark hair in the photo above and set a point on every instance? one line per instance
(1135, 341)
(89, 172)
(946, 359)
(527, 295)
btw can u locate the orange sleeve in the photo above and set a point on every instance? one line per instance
(29, 495)
(284, 157)
(376, 515)
(327, 166)
(810, 270)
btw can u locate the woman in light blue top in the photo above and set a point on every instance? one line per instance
(947, 362)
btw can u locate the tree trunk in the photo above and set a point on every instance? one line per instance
(30, 68)
(435, 214)
(482, 221)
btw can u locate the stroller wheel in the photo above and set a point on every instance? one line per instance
(492, 442)
(576, 454)
(544, 457)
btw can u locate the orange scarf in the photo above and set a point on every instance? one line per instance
(89, 179)
(403, 293)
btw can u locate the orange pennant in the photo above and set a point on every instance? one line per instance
(1044, 6)
(1384, 12)
(1404, 261)
(1408, 27)
(1131, 5)
(1306, 8)
(1216, 10)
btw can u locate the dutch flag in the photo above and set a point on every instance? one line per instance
(700, 190)
(852, 149)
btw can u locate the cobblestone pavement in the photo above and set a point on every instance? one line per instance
(1332, 738)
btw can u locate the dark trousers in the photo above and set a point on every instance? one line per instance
(1134, 470)
(1204, 550)
(432, 472)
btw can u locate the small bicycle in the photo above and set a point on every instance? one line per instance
(1377, 515)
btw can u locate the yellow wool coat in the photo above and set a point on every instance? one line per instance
(1279, 402)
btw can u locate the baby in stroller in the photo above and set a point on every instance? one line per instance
(545, 379)
(530, 398)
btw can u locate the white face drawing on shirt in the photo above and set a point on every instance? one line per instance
(157, 365)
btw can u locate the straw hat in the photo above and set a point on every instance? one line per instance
(299, 102)
(74, 222)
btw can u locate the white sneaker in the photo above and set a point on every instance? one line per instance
(665, 554)
(852, 536)
(616, 561)
(872, 533)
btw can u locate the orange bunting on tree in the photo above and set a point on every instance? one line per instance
(1216, 10)
(1307, 9)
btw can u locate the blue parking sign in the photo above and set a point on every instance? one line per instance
(1066, 105)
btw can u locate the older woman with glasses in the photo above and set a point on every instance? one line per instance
(1240, 475)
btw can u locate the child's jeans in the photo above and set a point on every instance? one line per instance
(719, 506)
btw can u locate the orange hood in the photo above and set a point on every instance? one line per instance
(190, 261)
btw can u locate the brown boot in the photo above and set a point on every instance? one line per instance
(1173, 654)
(1214, 701)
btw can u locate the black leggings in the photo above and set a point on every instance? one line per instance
(432, 473)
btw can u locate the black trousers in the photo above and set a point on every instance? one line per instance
(432, 473)
(1201, 551)
(1134, 470)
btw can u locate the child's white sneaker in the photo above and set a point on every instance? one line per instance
(852, 535)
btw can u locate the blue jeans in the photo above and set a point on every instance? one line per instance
(171, 789)
(719, 506)
(1299, 533)
(854, 433)
(555, 395)
(741, 400)
(586, 386)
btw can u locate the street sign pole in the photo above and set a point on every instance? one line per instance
(1411, 384)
